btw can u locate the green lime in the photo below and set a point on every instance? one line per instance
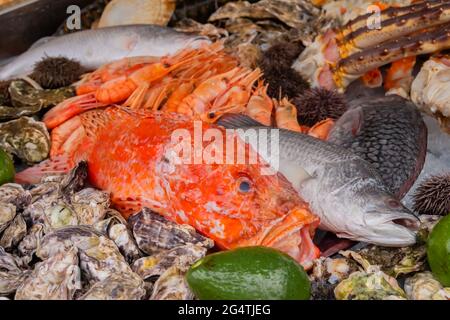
(7, 171)
(438, 251)
(251, 273)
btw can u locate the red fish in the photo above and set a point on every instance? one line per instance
(233, 204)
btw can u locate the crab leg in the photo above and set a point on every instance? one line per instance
(396, 27)
(353, 67)
(387, 14)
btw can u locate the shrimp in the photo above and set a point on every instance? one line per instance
(198, 101)
(260, 106)
(286, 115)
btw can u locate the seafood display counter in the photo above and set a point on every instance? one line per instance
(117, 179)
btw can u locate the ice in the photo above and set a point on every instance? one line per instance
(437, 160)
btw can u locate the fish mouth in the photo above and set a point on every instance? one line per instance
(391, 230)
(293, 235)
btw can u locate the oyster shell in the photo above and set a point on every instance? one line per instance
(29, 244)
(392, 261)
(90, 205)
(154, 233)
(240, 9)
(124, 241)
(209, 30)
(99, 256)
(27, 100)
(369, 285)
(15, 194)
(56, 278)
(327, 273)
(7, 214)
(59, 202)
(12, 272)
(181, 257)
(127, 286)
(14, 233)
(26, 138)
(172, 285)
(423, 286)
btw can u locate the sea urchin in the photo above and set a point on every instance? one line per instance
(433, 196)
(276, 65)
(317, 104)
(56, 72)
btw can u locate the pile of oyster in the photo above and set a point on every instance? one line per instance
(250, 28)
(61, 240)
(21, 134)
(378, 273)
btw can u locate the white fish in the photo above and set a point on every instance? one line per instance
(345, 191)
(93, 48)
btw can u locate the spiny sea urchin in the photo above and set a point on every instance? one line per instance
(276, 65)
(56, 72)
(433, 196)
(5, 98)
(317, 104)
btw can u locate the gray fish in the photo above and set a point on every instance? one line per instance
(93, 48)
(390, 134)
(345, 191)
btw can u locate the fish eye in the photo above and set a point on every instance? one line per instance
(244, 185)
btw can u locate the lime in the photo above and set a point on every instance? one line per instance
(250, 273)
(7, 171)
(438, 251)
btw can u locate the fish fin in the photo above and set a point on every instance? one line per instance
(297, 175)
(41, 42)
(58, 165)
(234, 120)
(349, 124)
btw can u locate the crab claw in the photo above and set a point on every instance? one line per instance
(339, 57)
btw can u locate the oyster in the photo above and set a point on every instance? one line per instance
(58, 201)
(172, 285)
(12, 272)
(240, 9)
(15, 194)
(209, 30)
(112, 217)
(181, 257)
(26, 138)
(127, 286)
(124, 241)
(99, 256)
(266, 21)
(29, 244)
(90, 205)
(56, 278)
(392, 261)
(327, 273)
(7, 214)
(372, 284)
(423, 286)
(154, 233)
(14, 233)
(27, 100)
